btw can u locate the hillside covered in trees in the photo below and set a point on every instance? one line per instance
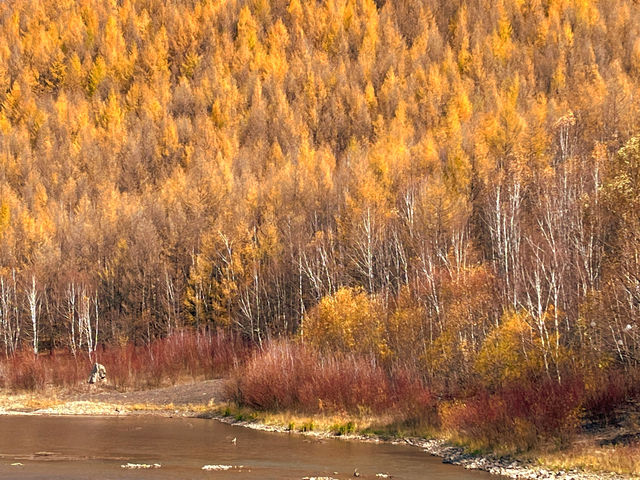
(448, 185)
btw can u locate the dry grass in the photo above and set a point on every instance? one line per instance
(26, 402)
(622, 459)
(388, 425)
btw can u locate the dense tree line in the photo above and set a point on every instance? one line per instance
(452, 184)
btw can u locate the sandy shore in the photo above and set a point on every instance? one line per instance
(205, 399)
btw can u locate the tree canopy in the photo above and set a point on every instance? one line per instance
(466, 167)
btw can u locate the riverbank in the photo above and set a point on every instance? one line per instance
(535, 465)
(205, 399)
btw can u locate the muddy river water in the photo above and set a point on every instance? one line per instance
(34, 447)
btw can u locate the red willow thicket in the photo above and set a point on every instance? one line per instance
(513, 415)
(183, 355)
(291, 376)
(518, 416)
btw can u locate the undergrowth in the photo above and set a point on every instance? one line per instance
(185, 354)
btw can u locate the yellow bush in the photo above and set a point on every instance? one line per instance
(509, 352)
(347, 321)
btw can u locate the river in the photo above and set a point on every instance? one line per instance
(33, 447)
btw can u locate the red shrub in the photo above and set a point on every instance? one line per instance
(610, 390)
(288, 375)
(24, 371)
(184, 354)
(66, 370)
(518, 415)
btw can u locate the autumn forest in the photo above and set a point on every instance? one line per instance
(448, 186)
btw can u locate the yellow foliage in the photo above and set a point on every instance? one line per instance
(635, 58)
(508, 353)
(559, 79)
(348, 321)
(96, 75)
(295, 9)
(501, 43)
(5, 216)
(111, 116)
(248, 43)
